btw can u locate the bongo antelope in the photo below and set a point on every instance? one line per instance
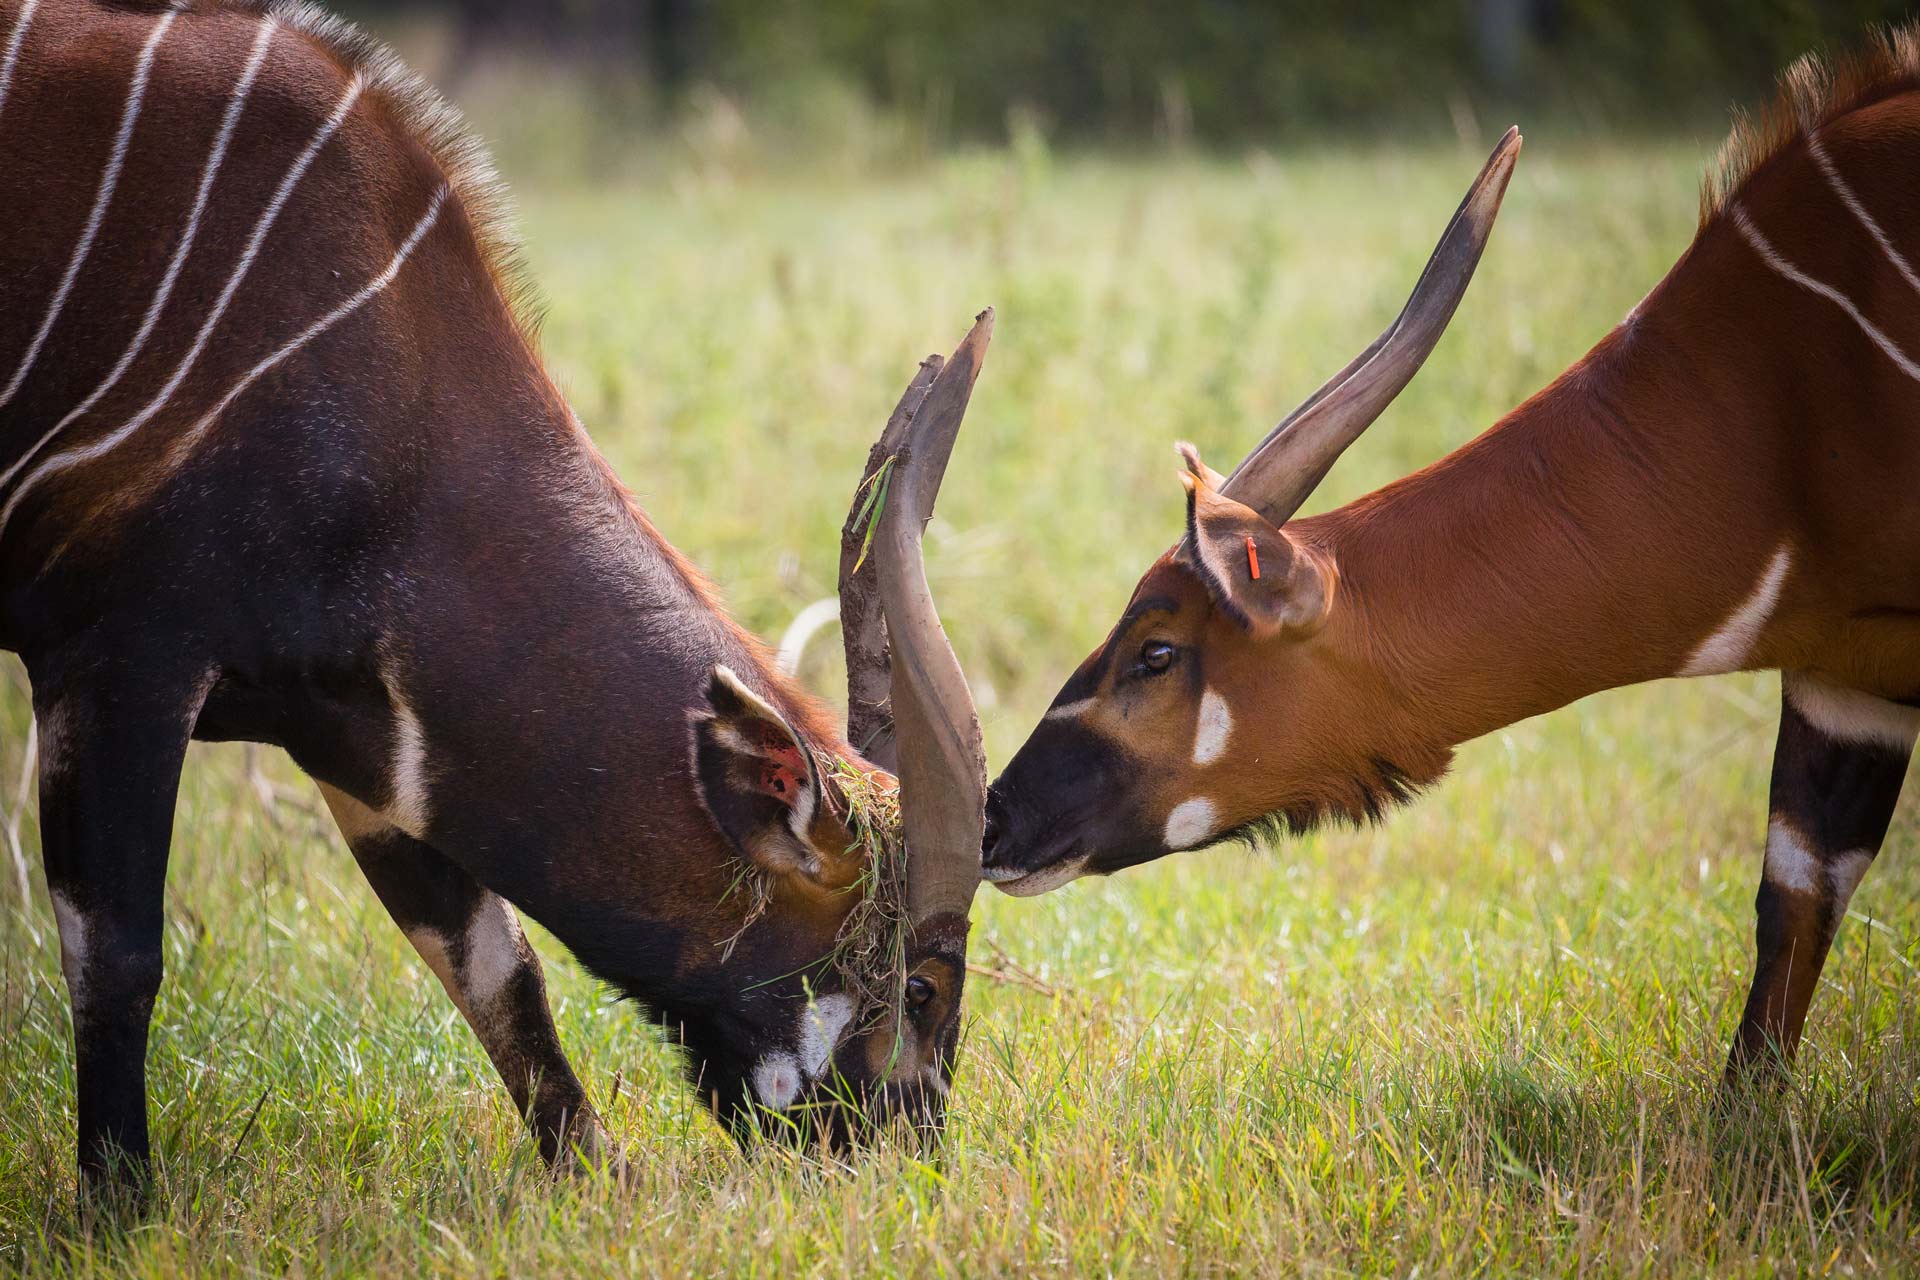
(1725, 483)
(278, 463)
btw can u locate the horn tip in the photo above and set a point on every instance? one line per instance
(1491, 188)
(982, 328)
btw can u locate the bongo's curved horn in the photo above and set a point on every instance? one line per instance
(926, 731)
(1283, 469)
(863, 623)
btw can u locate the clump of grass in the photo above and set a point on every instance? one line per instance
(870, 951)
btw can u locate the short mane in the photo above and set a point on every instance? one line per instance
(1813, 93)
(429, 118)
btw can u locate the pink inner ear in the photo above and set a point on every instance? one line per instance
(781, 773)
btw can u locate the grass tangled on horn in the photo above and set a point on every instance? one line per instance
(870, 951)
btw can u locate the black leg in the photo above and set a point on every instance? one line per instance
(1837, 771)
(472, 940)
(112, 741)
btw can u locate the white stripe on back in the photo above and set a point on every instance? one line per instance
(374, 286)
(1805, 281)
(101, 198)
(1852, 201)
(14, 42)
(61, 462)
(172, 273)
(88, 452)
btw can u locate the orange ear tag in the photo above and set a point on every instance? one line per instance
(1253, 559)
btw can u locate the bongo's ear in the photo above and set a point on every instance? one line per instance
(757, 778)
(1267, 581)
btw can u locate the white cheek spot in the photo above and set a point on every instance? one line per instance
(1848, 715)
(820, 1028)
(1215, 727)
(1190, 822)
(1729, 648)
(1790, 865)
(493, 951)
(776, 1080)
(73, 945)
(1069, 710)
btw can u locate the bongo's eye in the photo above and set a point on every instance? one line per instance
(1156, 657)
(919, 991)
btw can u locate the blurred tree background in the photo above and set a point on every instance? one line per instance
(1215, 72)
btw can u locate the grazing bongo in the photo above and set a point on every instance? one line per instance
(1725, 483)
(278, 463)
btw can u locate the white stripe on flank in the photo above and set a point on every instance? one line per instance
(373, 287)
(172, 273)
(103, 196)
(1728, 648)
(1852, 201)
(1793, 273)
(60, 462)
(14, 42)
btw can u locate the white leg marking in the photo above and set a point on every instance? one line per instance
(411, 804)
(1793, 273)
(1728, 648)
(1791, 865)
(494, 952)
(821, 1025)
(355, 820)
(1848, 715)
(1846, 873)
(433, 949)
(172, 274)
(102, 197)
(1190, 822)
(1216, 725)
(776, 1080)
(73, 947)
(14, 42)
(60, 462)
(1852, 201)
(1068, 710)
(373, 287)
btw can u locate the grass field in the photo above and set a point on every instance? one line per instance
(1482, 1040)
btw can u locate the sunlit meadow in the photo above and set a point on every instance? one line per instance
(1482, 1039)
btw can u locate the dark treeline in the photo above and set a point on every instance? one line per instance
(1210, 69)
